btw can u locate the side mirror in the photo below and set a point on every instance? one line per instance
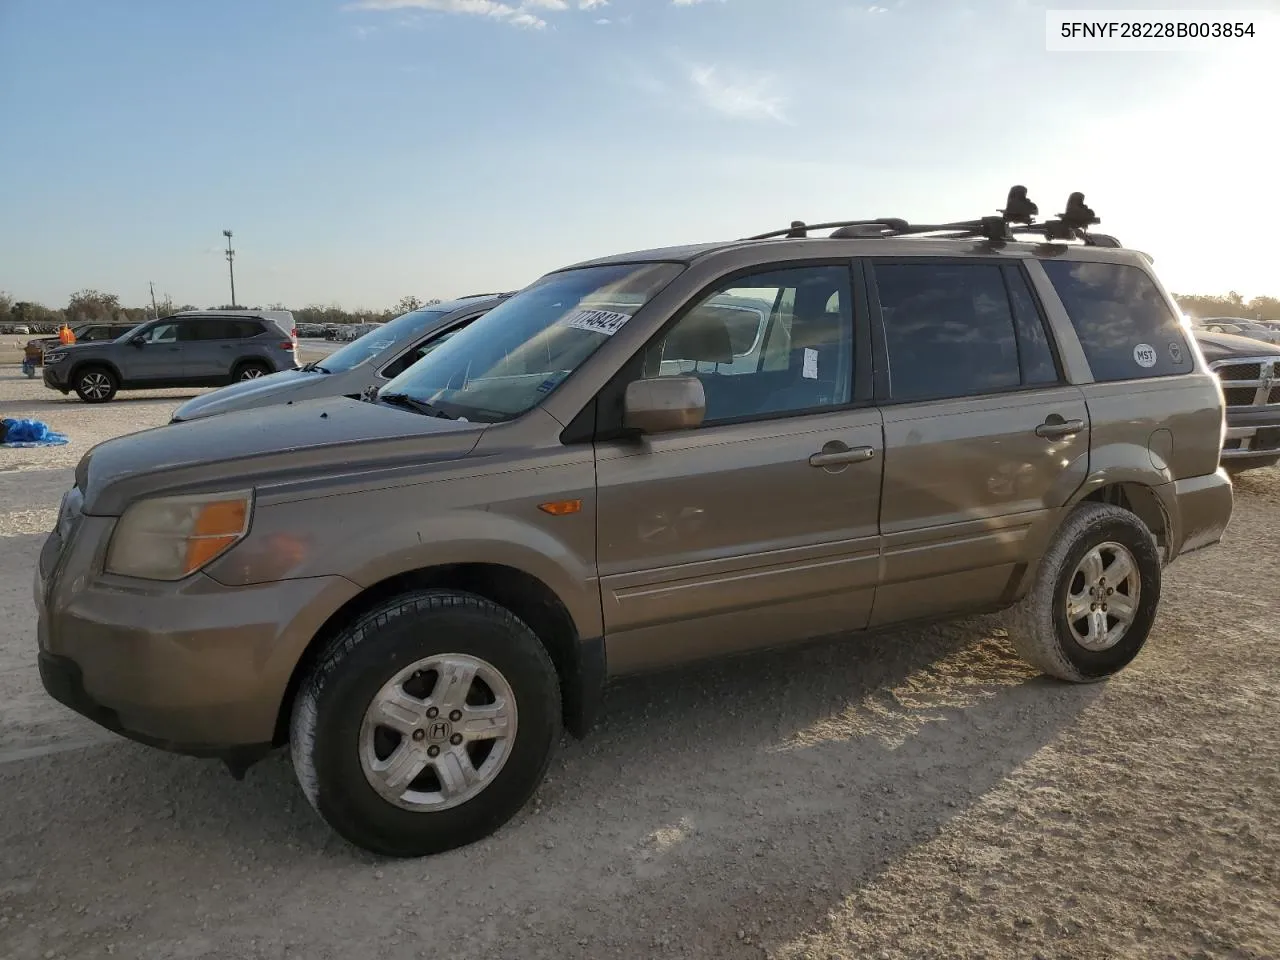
(662, 404)
(138, 341)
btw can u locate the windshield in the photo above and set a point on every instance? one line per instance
(378, 339)
(510, 359)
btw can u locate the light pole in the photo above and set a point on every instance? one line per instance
(231, 267)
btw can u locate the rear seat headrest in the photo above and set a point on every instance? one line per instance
(816, 331)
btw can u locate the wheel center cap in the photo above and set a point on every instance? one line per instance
(438, 731)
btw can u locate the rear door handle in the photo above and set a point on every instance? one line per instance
(837, 457)
(1054, 427)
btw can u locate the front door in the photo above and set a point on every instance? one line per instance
(984, 441)
(157, 359)
(761, 525)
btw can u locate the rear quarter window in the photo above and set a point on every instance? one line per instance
(1124, 324)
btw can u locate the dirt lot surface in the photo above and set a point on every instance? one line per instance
(913, 794)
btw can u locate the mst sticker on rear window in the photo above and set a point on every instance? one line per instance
(600, 321)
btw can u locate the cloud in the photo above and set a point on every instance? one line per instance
(529, 14)
(496, 9)
(742, 98)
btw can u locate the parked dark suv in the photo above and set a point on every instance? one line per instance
(85, 333)
(206, 349)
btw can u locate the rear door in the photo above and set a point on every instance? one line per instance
(984, 439)
(759, 526)
(216, 344)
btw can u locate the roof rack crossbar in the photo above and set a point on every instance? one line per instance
(1016, 218)
(799, 229)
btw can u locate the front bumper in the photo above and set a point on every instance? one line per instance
(55, 376)
(1252, 433)
(193, 667)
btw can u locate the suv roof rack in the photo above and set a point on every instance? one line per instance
(1018, 217)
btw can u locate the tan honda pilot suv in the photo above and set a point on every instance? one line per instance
(636, 462)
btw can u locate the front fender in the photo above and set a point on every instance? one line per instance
(372, 535)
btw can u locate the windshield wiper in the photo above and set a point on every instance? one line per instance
(414, 404)
(315, 365)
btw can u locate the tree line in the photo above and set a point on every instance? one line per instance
(94, 305)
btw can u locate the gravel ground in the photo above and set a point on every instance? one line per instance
(910, 794)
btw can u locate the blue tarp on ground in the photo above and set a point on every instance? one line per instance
(29, 433)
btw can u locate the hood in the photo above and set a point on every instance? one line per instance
(1225, 346)
(315, 438)
(248, 394)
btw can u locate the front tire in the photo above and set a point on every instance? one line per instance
(426, 724)
(1094, 599)
(95, 384)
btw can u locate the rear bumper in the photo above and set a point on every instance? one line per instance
(1202, 508)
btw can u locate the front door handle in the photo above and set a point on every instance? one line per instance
(1055, 427)
(834, 457)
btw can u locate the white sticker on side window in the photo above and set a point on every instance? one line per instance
(1144, 355)
(600, 321)
(810, 369)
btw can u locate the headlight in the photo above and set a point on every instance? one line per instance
(169, 538)
(57, 356)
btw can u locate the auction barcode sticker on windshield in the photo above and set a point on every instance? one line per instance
(601, 321)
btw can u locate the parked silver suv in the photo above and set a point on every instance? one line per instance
(205, 349)
(384, 352)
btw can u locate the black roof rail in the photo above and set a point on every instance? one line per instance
(1018, 217)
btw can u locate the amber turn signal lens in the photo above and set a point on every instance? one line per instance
(218, 525)
(561, 508)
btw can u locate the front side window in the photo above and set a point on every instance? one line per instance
(161, 333)
(949, 330)
(378, 339)
(799, 354)
(1124, 324)
(415, 353)
(512, 358)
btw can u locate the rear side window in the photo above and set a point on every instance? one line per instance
(223, 328)
(1038, 364)
(1125, 326)
(949, 330)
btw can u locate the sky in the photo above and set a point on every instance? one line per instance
(364, 150)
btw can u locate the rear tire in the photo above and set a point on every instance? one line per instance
(1053, 626)
(365, 710)
(95, 384)
(250, 370)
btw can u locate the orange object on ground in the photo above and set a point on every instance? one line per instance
(65, 336)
